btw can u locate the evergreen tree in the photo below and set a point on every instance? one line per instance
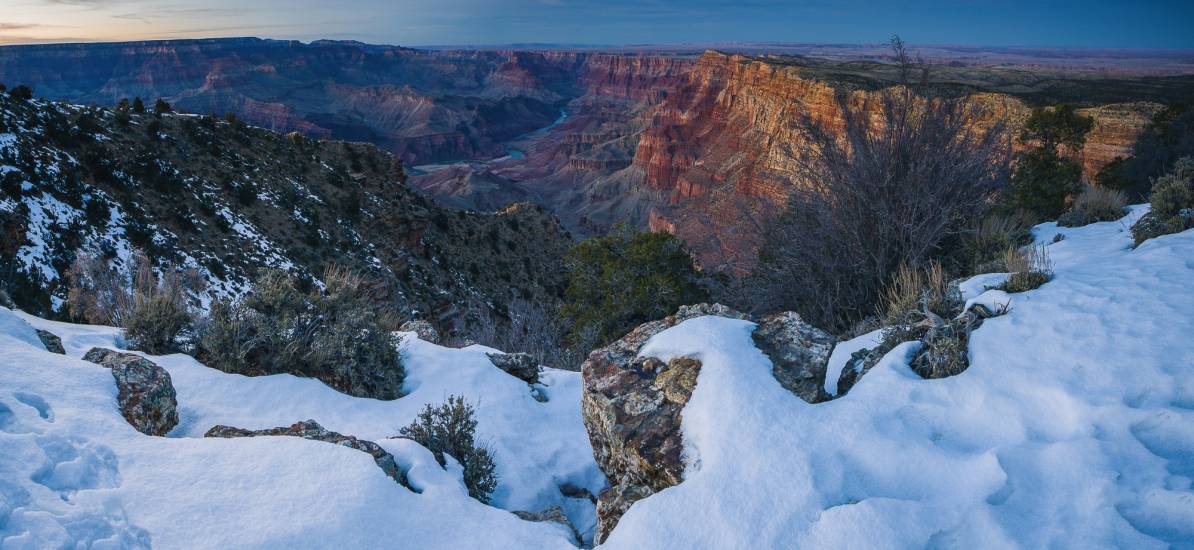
(162, 107)
(138, 105)
(1043, 179)
(625, 279)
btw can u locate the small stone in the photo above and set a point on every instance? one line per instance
(423, 329)
(523, 366)
(51, 341)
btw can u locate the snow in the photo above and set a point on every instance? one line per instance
(73, 472)
(1073, 426)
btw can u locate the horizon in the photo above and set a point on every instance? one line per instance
(1066, 24)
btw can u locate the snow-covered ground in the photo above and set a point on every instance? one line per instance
(1072, 428)
(74, 473)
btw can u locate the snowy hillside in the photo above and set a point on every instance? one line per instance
(1073, 427)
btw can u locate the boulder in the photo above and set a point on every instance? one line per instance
(799, 354)
(146, 396)
(310, 429)
(51, 341)
(523, 366)
(423, 329)
(554, 514)
(631, 408)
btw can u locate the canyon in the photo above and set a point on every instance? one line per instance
(702, 144)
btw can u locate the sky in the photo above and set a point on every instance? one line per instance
(1052, 23)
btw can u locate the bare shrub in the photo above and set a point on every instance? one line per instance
(1029, 267)
(450, 428)
(1094, 204)
(153, 308)
(891, 187)
(533, 328)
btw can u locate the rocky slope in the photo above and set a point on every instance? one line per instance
(226, 200)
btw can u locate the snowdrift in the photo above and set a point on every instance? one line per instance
(73, 472)
(1073, 427)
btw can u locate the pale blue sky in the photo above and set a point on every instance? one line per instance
(1146, 24)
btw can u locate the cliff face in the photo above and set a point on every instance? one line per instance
(722, 146)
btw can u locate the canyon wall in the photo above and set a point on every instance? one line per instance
(723, 146)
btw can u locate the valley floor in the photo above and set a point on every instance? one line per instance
(1073, 428)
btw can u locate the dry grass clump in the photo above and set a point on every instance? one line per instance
(1029, 267)
(1094, 204)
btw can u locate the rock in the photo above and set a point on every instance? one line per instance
(310, 429)
(859, 363)
(556, 514)
(523, 366)
(423, 329)
(146, 396)
(631, 408)
(51, 341)
(799, 354)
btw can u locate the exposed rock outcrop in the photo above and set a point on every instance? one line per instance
(51, 341)
(523, 366)
(799, 354)
(425, 331)
(310, 429)
(631, 407)
(146, 395)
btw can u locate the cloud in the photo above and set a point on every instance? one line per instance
(17, 26)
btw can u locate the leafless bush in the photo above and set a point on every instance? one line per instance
(901, 176)
(529, 327)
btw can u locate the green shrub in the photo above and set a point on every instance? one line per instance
(1170, 195)
(625, 279)
(1171, 200)
(338, 335)
(155, 324)
(450, 428)
(1094, 204)
(1042, 181)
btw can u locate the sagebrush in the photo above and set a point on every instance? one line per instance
(339, 334)
(450, 429)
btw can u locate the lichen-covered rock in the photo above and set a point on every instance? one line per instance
(51, 341)
(423, 329)
(799, 354)
(631, 407)
(554, 514)
(310, 429)
(146, 395)
(523, 366)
